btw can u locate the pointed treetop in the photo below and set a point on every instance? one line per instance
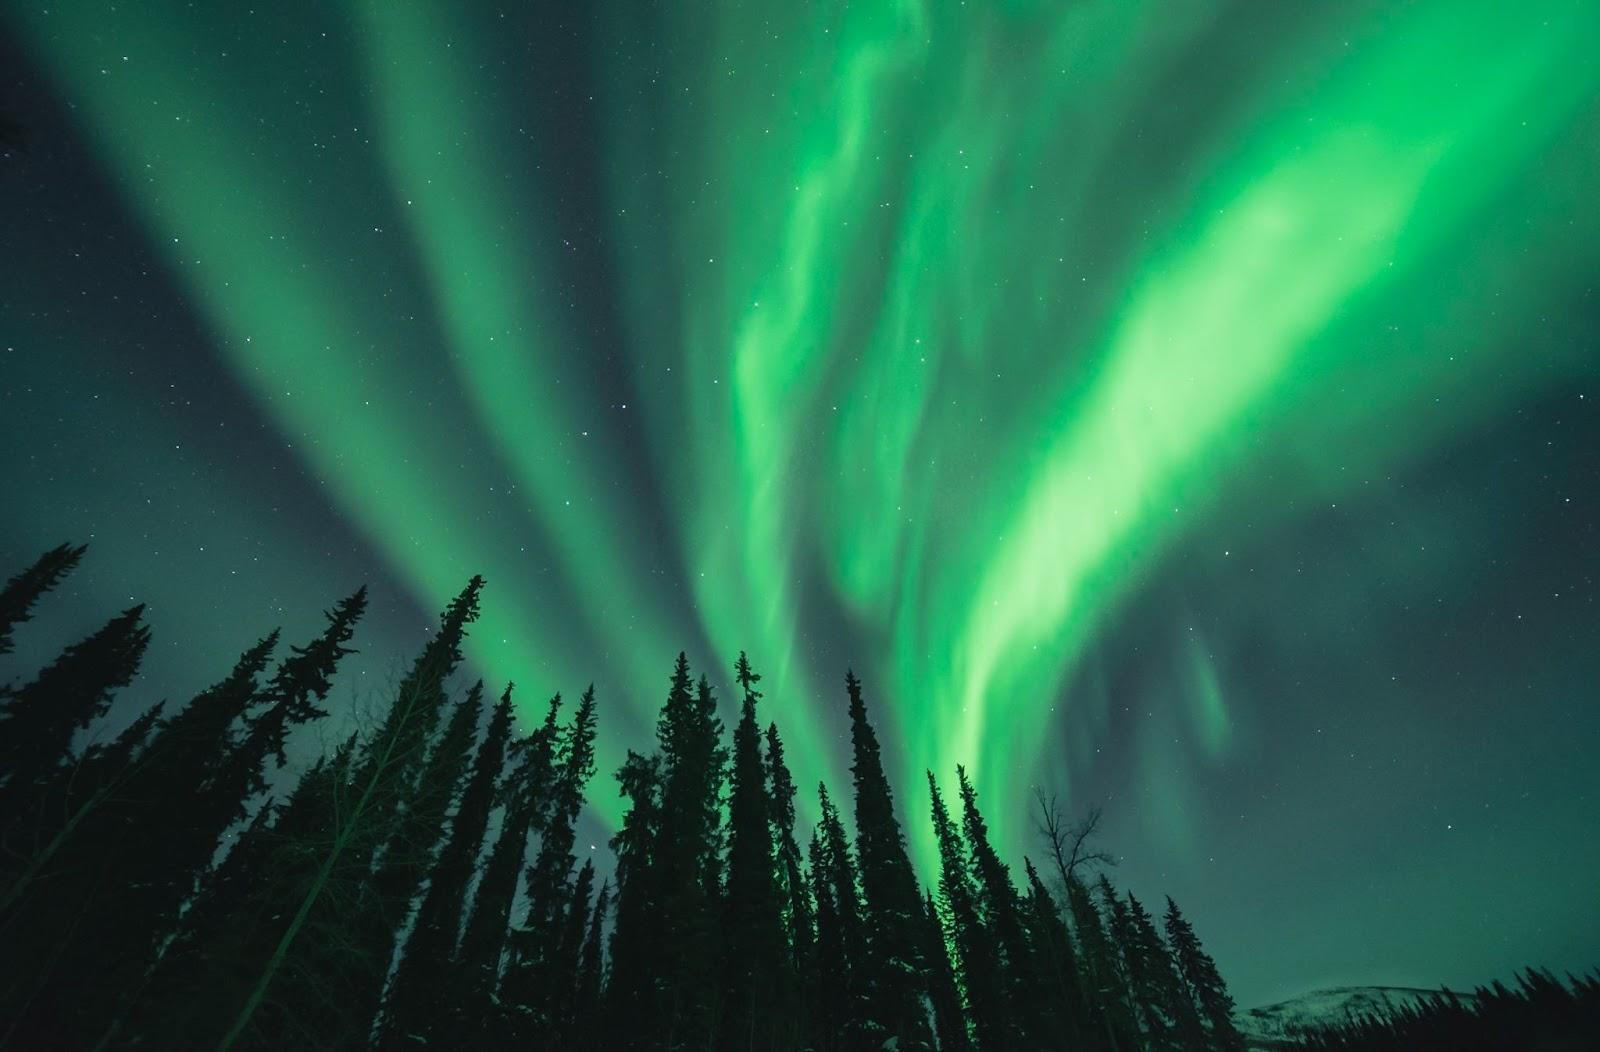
(747, 677)
(23, 590)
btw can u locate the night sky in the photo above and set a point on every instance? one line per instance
(1191, 407)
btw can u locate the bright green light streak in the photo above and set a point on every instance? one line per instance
(294, 332)
(509, 338)
(1408, 139)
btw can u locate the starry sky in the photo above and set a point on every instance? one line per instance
(1191, 407)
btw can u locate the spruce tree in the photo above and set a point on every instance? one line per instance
(334, 969)
(302, 681)
(894, 981)
(688, 858)
(1204, 983)
(829, 978)
(23, 590)
(633, 998)
(236, 920)
(1110, 1007)
(1139, 966)
(166, 800)
(949, 1023)
(793, 890)
(1031, 1015)
(160, 793)
(418, 1000)
(536, 975)
(1163, 992)
(56, 929)
(756, 960)
(410, 854)
(977, 954)
(40, 717)
(566, 972)
(1057, 963)
(586, 1024)
(228, 734)
(525, 794)
(843, 879)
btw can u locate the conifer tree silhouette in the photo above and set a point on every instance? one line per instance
(949, 1022)
(586, 1026)
(1057, 964)
(1102, 970)
(756, 955)
(475, 975)
(365, 801)
(40, 717)
(1205, 985)
(23, 591)
(418, 998)
(829, 980)
(1161, 990)
(894, 985)
(409, 855)
(179, 828)
(537, 974)
(184, 910)
(1030, 1017)
(633, 999)
(688, 859)
(566, 961)
(794, 892)
(977, 958)
(843, 880)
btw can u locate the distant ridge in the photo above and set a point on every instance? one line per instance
(1273, 1026)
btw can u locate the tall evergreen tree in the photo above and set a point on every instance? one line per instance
(236, 921)
(894, 980)
(537, 975)
(50, 935)
(367, 804)
(525, 794)
(977, 954)
(757, 976)
(1110, 1007)
(418, 997)
(410, 853)
(40, 717)
(1058, 965)
(1139, 969)
(562, 966)
(687, 859)
(23, 590)
(294, 696)
(586, 1024)
(633, 995)
(829, 978)
(164, 801)
(1162, 991)
(848, 988)
(1032, 1013)
(1204, 983)
(793, 890)
(152, 793)
(228, 736)
(949, 1022)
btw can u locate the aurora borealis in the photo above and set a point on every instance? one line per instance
(1186, 406)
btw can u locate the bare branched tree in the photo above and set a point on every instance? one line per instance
(1071, 845)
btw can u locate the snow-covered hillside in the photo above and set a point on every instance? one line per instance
(1270, 1025)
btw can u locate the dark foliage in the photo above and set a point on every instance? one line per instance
(1540, 1012)
(169, 885)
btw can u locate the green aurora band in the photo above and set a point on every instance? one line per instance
(955, 362)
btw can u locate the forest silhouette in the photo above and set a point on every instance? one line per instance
(179, 886)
